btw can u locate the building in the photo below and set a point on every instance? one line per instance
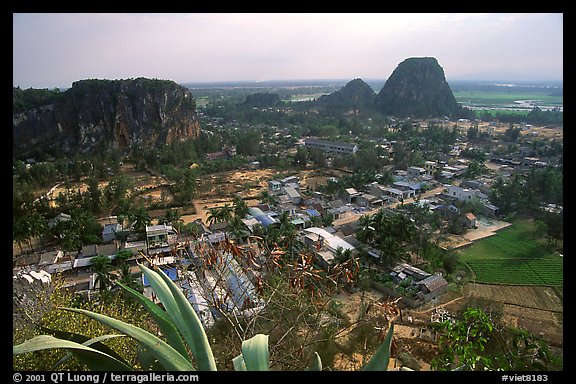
(326, 244)
(414, 172)
(332, 147)
(110, 231)
(465, 194)
(293, 195)
(159, 238)
(274, 186)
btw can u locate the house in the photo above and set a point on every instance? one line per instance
(432, 287)
(490, 210)
(293, 195)
(351, 194)
(274, 186)
(290, 180)
(341, 212)
(109, 232)
(403, 270)
(369, 201)
(399, 194)
(414, 172)
(464, 194)
(84, 258)
(415, 188)
(430, 167)
(469, 220)
(60, 217)
(56, 261)
(159, 237)
(225, 153)
(325, 244)
(263, 218)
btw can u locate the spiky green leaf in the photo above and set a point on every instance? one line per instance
(82, 339)
(93, 358)
(89, 343)
(166, 355)
(184, 316)
(379, 362)
(239, 364)
(316, 364)
(255, 353)
(161, 318)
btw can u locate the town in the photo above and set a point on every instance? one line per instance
(383, 212)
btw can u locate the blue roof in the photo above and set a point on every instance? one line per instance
(312, 212)
(170, 272)
(262, 218)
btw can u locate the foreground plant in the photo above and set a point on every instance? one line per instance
(186, 347)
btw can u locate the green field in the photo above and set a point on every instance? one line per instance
(515, 255)
(493, 98)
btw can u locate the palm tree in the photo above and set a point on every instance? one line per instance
(240, 207)
(38, 225)
(102, 266)
(212, 215)
(266, 198)
(237, 228)
(21, 231)
(141, 219)
(225, 213)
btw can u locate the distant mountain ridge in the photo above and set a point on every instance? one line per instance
(99, 114)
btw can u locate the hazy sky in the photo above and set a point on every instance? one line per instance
(55, 49)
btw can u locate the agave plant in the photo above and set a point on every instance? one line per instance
(185, 347)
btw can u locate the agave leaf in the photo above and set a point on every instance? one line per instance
(166, 325)
(239, 364)
(93, 358)
(166, 355)
(147, 360)
(255, 353)
(316, 364)
(379, 362)
(184, 316)
(82, 339)
(89, 343)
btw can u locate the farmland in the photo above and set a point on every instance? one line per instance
(516, 255)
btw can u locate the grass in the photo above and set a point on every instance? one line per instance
(516, 255)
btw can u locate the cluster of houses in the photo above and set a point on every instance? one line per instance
(229, 287)
(221, 285)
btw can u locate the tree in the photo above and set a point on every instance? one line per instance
(462, 342)
(240, 207)
(301, 157)
(266, 198)
(102, 266)
(141, 218)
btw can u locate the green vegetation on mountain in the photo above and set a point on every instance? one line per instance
(417, 88)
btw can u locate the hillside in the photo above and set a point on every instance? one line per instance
(99, 114)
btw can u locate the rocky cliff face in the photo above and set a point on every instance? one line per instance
(356, 94)
(99, 114)
(417, 88)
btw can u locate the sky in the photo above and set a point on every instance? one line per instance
(56, 49)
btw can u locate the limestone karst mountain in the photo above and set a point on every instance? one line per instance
(106, 114)
(417, 88)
